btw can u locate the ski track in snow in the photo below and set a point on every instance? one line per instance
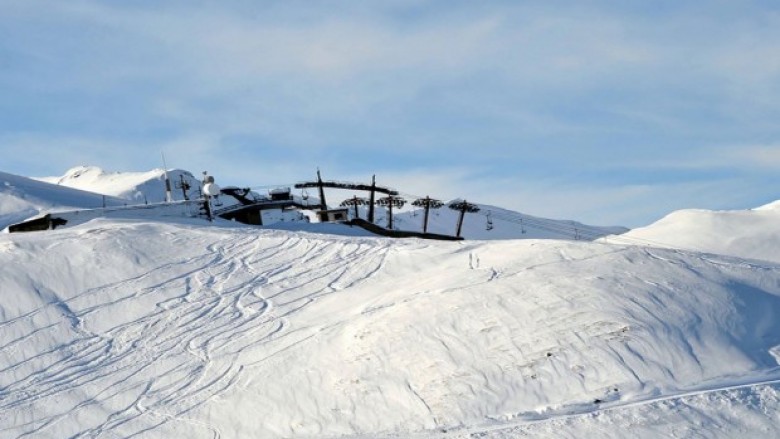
(563, 423)
(148, 353)
(221, 312)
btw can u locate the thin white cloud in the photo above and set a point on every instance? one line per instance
(752, 156)
(488, 83)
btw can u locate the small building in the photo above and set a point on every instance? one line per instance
(333, 215)
(44, 222)
(280, 194)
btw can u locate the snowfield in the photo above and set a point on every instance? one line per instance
(751, 234)
(130, 328)
(145, 322)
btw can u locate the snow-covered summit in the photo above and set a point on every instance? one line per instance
(775, 205)
(148, 186)
(753, 234)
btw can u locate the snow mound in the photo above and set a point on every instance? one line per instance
(139, 187)
(753, 234)
(775, 205)
(126, 329)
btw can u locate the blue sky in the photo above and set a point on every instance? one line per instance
(609, 112)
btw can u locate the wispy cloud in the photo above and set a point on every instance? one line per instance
(765, 157)
(457, 96)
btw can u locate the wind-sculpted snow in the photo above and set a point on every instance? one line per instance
(753, 234)
(159, 330)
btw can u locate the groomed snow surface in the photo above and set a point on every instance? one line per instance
(745, 233)
(145, 323)
(126, 328)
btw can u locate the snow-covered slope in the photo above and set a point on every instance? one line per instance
(753, 234)
(22, 198)
(122, 329)
(492, 223)
(139, 187)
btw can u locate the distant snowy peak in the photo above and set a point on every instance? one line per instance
(775, 205)
(22, 198)
(76, 174)
(146, 186)
(753, 234)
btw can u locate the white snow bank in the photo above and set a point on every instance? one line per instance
(743, 412)
(753, 234)
(164, 330)
(775, 205)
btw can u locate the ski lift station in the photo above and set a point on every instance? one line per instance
(368, 206)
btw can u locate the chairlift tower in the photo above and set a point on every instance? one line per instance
(371, 188)
(321, 186)
(355, 202)
(427, 203)
(389, 202)
(463, 207)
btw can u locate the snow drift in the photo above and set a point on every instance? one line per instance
(753, 234)
(127, 328)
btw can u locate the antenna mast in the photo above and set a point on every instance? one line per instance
(168, 193)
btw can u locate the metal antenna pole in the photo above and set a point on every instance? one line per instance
(427, 209)
(390, 212)
(371, 200)
(463, 207)
(323, 204)
(168, 193)
(460, 219)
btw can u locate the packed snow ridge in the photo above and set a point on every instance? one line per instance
(180, 328)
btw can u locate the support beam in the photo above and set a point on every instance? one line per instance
(427, 210)
(390, 216)
(462, 207)
(355, 203)
(371, 200)
(460, 221)
(427, 204)
(391, 202)
(321, 186)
